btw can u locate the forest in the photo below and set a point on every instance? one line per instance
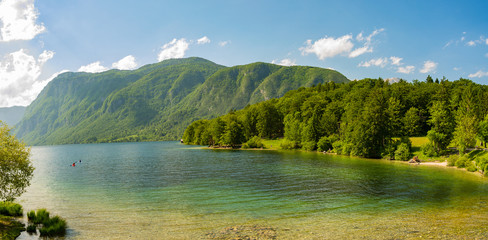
(369, 118)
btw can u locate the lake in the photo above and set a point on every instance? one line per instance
(166, 190)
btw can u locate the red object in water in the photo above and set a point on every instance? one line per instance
(74, 165)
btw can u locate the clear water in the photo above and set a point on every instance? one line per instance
(165, 190)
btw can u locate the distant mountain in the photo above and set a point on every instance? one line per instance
(12, 115)
(156, 101)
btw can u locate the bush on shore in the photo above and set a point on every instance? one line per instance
(10, 209)
(254, 142)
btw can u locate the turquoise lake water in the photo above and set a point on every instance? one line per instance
(166, 190)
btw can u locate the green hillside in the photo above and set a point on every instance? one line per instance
(154, 102)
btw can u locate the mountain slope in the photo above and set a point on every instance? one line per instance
(155, 102)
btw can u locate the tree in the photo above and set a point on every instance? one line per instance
(269, 122)
(233, 133)
(412, 122)
(442, 124)
(15, 167)
(483, 130)
(465, 133)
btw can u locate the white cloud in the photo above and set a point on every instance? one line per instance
(126, 63)
(396, 60)
(285, 62)
(379, 62)
(369, 38)
(456, 69)
(429, 66)
(19, 77)
(481, 40)
(366, 48)
(18, 18)
(406, 69)
(486, 55)
(94, 67)
(223, 43)
(203, 40)
(174, 49)
(478, 74)
(328, 46)
(360, 51)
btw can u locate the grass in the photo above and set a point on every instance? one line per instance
(10, 228)
(417, 143)
(273, 144)
(10, 209)
(49, 227)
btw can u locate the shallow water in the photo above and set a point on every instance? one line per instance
(165, 190)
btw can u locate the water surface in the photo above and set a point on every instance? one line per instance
(165, 190)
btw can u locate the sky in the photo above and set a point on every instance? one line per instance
(407, 39)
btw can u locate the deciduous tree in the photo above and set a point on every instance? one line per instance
(15, 167)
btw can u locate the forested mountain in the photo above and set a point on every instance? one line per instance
(367, 118)
(11, 115)
(155, 102)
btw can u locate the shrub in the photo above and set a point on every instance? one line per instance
(324, 144)
(309, 145)
(451, 160)
(288, 145)
(482, 163)
(407, 141)
(10, 209)
(471, 167)
(403, 152)
(389, 149)
(337, 147)
(462, 162)
(347, 149)
(428, 150)
(254, 142)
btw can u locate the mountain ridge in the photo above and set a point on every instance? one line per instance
(156, 101)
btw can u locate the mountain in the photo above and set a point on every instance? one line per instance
(12, 115)
(156, 101)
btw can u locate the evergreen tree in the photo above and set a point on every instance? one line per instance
(442, 123)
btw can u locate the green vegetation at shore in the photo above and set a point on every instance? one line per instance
(48, 226)
(10, 227)
(368, 118)
(154, 102)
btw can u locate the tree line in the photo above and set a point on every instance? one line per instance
(368, 118)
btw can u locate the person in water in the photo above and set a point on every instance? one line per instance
(74, 164)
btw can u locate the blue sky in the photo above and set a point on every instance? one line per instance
(389, 39)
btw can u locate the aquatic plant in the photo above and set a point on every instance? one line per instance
(49, 227)
(31, 228)
(55, 226)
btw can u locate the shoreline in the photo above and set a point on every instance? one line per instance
(432, 163)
